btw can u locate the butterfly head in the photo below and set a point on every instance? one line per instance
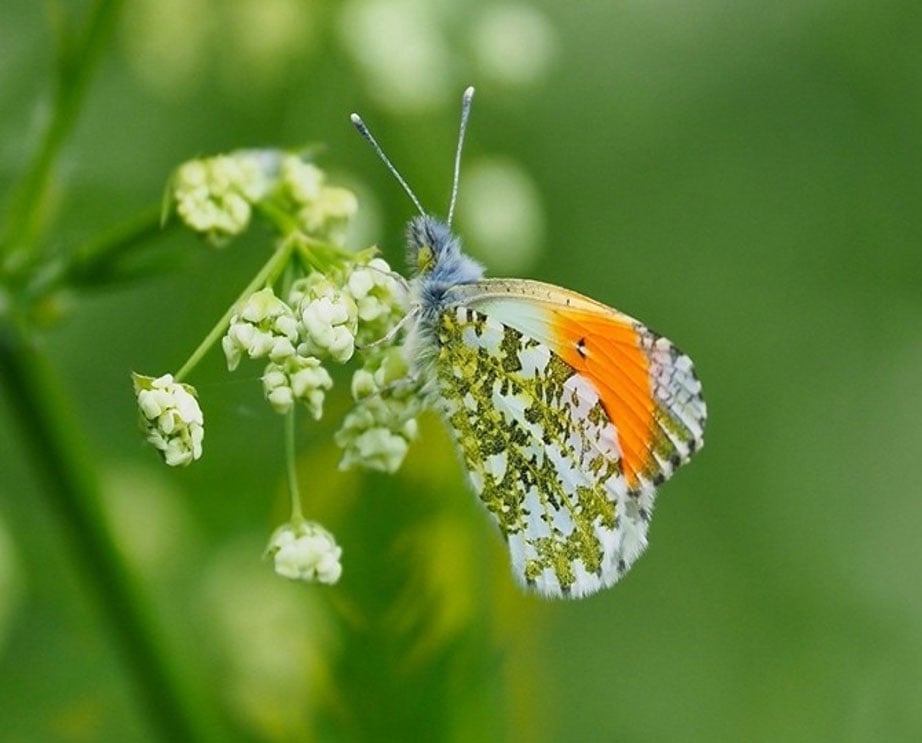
(435, 253)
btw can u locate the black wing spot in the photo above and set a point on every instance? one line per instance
(581, 348)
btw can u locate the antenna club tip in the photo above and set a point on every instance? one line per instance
(355, 119)
(469, 92)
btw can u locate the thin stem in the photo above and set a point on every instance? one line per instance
(297, 517)
(94, 258)
(55, 446)
(75, 72)
(316, 253)
(267, 275)
(96, 261)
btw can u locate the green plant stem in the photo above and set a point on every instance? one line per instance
(75, 71)
(316, 254)
(93, 261)
(60, 460)
(267, 274)
(96, 262)
(297, 516)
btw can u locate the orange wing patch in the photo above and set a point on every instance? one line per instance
(607, 351)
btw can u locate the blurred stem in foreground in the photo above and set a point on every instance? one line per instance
(70, 484)
(41, 412)
(77, 60)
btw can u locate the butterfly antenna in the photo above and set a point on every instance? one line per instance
(363, 130)
(465, 113)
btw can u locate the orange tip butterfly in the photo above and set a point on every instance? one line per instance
(568, 414)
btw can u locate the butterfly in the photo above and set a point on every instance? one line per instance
(567, 414)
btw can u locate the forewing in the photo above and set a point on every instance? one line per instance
(648, 387)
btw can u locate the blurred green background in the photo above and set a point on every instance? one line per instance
(744, 177)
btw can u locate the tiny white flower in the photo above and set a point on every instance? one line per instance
(281, 399)
(287, 325)
(281, 349)
(171, 418)
(309, 381)
(232, 352)
(262, 305)
(305, 552)
(261, 343)
(363, 384)
(360, 282)
(274, 377)
(322, 210)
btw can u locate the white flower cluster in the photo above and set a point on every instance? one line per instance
(297, 378)
(263, 325)
(379, 297)
(305, 551)
(170, 417)
(328, 317)
(321, 320)
(377, 432)
(321, 209)
(214, 195)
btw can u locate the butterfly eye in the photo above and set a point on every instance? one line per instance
(425, 259)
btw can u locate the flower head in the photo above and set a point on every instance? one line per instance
(321, 209)
(214, 195)
(302, 181)
(305, 551)
(297, 379)
(328, 318)
(170, 417)
(376, 434)
(262, 326)
(380, 300)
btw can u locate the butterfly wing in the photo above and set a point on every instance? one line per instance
(567, 414)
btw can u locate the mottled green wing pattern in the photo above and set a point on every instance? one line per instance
(541, 453)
